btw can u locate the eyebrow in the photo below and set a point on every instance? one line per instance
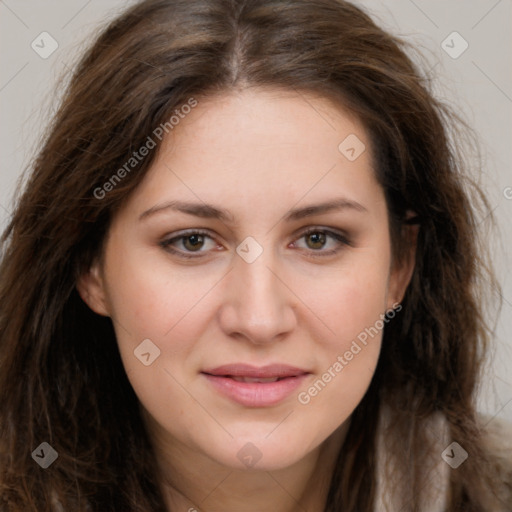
(208, 211)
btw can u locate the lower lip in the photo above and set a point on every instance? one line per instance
(256, 394)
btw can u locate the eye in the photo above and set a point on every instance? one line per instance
(318, 239)
(188, 243)
(196, 243)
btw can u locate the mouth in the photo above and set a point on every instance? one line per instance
(255, 387)
(255, 379)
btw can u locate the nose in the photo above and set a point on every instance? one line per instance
(258, 304)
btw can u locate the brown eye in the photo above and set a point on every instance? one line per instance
(321, 242)
(317, 240)
(193, 242)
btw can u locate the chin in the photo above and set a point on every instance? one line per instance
(259, 454)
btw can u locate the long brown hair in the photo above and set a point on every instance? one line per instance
(61, 377)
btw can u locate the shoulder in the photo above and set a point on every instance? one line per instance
(497, 441)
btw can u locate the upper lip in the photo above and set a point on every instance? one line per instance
(247, 370)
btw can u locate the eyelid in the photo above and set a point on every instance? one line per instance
(166, 242)
(338, 234)
(341, 237)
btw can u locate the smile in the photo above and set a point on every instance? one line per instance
(255, 387)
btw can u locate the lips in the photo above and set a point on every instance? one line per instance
(255, 386)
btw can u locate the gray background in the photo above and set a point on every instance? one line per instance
(477, 82)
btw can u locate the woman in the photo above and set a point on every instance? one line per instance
(244, 275)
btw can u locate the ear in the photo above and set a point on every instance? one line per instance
(91, 288)
(401, 272)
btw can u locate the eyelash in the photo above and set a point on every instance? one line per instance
(342, 239)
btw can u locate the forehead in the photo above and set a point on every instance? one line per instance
(262, 147)
(262, 118)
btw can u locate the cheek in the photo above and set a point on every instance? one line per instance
(353, 309)
(351, 300)
(152, 300)
(346, 367)
(171, 310)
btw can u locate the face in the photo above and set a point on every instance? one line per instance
(255, 256)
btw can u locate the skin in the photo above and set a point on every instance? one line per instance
(257, 153)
